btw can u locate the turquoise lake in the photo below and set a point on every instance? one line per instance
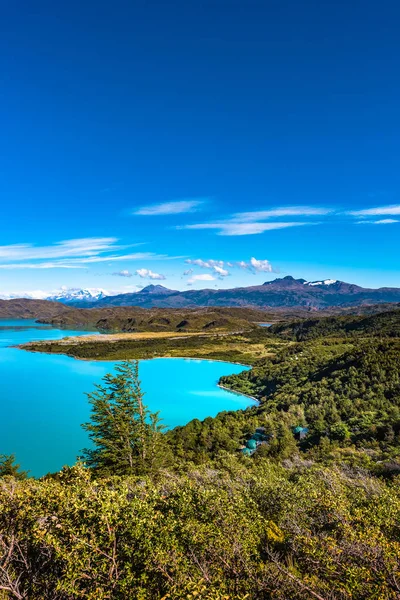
(43, 402)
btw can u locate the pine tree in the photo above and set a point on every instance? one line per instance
(127, 437)
(8, 467)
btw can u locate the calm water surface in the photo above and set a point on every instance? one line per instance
(43, 402)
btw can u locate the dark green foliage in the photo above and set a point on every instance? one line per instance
(386, 324)
(346, 392)
(8, 467)
(352, 395)
(229, 531)
(127, 438)
(301, 519)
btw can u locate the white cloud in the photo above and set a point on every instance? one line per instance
(379, 222)
(219, 266)
(123, 273)
(235, 228)
(386, 221)
(206, 264)
(263, 266)
(394, 209)
(148, 274)
(243, 264)
(257, 266)
(221, 272)
(187, 272)
(216, 265)
(170, 208)
(281, 212)
(201, 277)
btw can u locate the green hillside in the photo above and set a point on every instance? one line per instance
(296, 497)
(381, 324)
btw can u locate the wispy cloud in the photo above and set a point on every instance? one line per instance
(230, 227)
(394, 209)
(148, 274)
(171, 208)
(82, 247)
(85, 262)
(201, 277)
(379, 222)
(42, 265)
(285, 211)
(261, 221)
(386, 221)
(256, 222)
(123, 273)
(72, 254)
(120, 257)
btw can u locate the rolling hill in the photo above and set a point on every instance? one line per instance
(24, 308)
(131, 319)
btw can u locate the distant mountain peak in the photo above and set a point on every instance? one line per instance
(155, 289)
(69, 295)
(284, 281)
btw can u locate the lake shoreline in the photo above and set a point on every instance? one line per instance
(49, 393)
(224, 387)
(101, 360)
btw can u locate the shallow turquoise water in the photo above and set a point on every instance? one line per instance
(43, 402)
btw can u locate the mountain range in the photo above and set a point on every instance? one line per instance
(283, 292)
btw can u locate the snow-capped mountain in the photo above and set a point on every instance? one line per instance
(77, 295)
(325, 282)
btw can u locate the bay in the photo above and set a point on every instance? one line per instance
(43, 401)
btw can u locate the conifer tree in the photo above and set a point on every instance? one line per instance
(126, 436)
(8, 467)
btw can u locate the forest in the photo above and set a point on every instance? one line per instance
(312, 513)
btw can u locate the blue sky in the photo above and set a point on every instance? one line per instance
(198, 144)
